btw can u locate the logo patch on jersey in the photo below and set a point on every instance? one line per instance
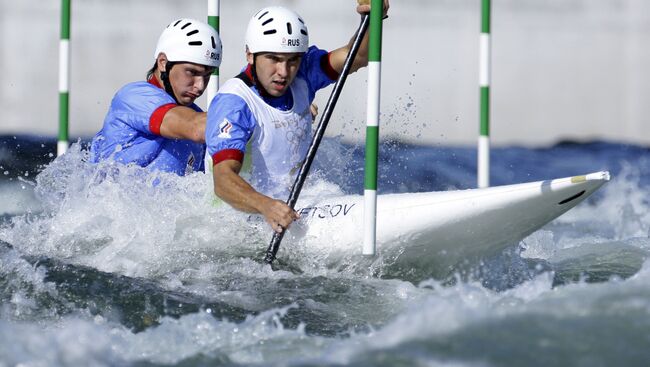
(190, 162)
(224, 129)
(189, 168)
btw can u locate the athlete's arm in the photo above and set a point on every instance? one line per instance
(338, 56)
(234, 190)
(183, 122)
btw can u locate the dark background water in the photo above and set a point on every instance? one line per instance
(427, 168)
(403, 167)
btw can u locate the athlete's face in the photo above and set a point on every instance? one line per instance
(189, 81)
(276, 71)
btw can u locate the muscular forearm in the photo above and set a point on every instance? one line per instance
(234, 190)
(231, 188)
(338, 56)
(196, 129)
(361, 59)
(184, 123)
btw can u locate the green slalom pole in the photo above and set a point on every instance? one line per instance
(213, 84)
(213, 20)
(64, 78)
(372, 129)
(483, 173)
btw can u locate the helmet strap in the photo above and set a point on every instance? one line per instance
(164, 76)
(256, 81)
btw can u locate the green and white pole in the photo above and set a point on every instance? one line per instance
(213, 20)
(213, 84)
(372, 129)
(64, 78)
(483, 173)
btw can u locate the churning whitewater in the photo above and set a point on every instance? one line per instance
(113, 265)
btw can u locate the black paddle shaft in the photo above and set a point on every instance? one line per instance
(274, 246)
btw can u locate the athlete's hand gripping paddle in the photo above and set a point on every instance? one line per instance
(274, 246)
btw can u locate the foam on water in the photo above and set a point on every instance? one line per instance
(607, 237)
(40, 326)
(573, 293)
(441, 319)
(127, 220)
(124, 219)
(83, 341)
(17, 196)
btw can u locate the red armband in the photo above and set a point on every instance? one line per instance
(157, 117)
(226, 154)
(326, 65)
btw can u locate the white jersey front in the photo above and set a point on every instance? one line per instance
(280, 139)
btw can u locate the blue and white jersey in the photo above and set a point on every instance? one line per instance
(279, 129)
(131, 132)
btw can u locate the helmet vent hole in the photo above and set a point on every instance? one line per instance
(178, 21)
(301, 21)
(186, 25)
(289, 28)
(262, 16)
(303, 32)
(214, 44)
(267, 21)
(195, 43)
(192, 32)
(270, 31)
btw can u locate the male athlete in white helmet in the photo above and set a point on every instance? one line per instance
(268, 106)
(155, 123)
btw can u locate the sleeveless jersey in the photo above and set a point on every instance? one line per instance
(280, 139)
(278, 128)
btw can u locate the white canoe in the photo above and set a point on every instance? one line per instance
(437, 230)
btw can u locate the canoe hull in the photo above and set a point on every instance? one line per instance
(438, 229)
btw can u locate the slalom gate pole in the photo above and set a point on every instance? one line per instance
(213, 84)
(372, 129)
(213, 20)
(274, 245)
(483, 173)
(64, 78)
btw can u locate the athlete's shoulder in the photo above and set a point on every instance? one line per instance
(313, 56)
(232, 86)
(231, 96)
(141, 96)
(140, 87)
(315, 50)
(313, 61)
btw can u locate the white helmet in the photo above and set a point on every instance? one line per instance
(276, 29)
(190, 40)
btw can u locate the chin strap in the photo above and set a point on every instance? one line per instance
(164, 76)
(256, 81)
